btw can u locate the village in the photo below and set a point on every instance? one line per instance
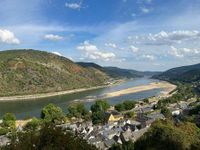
(117, 127)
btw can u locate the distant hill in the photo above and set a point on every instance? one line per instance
(31, 71)
(189, 74)
(116, 72)
(113, 71)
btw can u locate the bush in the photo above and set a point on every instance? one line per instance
(52, 114)
(126, 105)
(3, 131)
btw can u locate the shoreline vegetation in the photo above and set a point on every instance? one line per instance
(52, 94)
(168, 87)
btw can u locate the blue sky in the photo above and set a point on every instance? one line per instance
(135, 34)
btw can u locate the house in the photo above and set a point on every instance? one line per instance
(108, 143)
(144, 120)
(4, 141)
(175, 111)
(156, 116)
(113, 116)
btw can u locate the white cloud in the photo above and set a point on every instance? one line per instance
(112, 45)
(145, 10)
(92, 52)
(75, 6)
(8, 37)
(145, 1)
(57, 53)
(134, 49)
(149, 57)
(168, 38)
(182, 52)
(53, 37)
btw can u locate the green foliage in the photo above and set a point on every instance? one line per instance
(9, 120)
(52, 114)
(48, 138)
(166, 112)
(100, 105)
(119, 107)
(98, 117)
(146, 100)
(29, 72)
(195, 110)
(167, 136)
(126, 146)
(33, 125)
(130, 115)
(3, 131)
(77, 110)
(184, 92)
(126, 105)
(98, 111)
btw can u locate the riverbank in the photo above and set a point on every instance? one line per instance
(166, 86)
(46, 95)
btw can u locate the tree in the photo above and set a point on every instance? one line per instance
(49, 137)
(166, 112)
(33, 125)
(98, 111)
(130, 115)
(98, 117)
(9, 120)
(52, 114)
(126, 105)
(77, 110)
(125, 146)
(119, 107)
(100, 105)
(166, 135)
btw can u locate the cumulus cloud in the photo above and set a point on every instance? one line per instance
(134, 49)
(145, 10)
(149, 57)
(53, 37)
(8, 37)
(112, 45)
(92, 52)
(168, 38)
(182, 52)
(75, 6)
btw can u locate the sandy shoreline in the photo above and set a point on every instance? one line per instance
(168, 87)
(46, 95)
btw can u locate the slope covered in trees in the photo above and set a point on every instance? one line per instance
(29, 72)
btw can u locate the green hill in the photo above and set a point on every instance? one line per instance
(30, 71)
(185, 74)
(116, 72)
(182, 74)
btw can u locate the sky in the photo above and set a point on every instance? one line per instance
(153, 35)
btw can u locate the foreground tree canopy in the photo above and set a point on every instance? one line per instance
(52, 113)
(165, 135)
(48, 138)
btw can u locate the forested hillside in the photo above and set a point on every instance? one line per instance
(30, 71)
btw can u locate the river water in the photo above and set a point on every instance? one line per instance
(29, 108)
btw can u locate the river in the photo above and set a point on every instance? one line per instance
(29, 108)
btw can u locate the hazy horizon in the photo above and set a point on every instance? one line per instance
(145, 35)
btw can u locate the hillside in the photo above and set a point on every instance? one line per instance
(185, 74)
(113, 71)
(116, 72)
(29, 72)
